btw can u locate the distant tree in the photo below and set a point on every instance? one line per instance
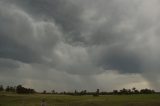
(147, 91)
(75, 92)
(129, 91)
(123, 91)
(12, 89)
(115, 91)
(85, 91)
(53, 92)
(22, 90)
(1, 88)
(64, 92)
(134, 90)
(44, 92)
(96, 93)
(7, 89)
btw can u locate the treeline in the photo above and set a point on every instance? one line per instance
(17, 89)
(133, 91)
(22, 90)
(114, 92)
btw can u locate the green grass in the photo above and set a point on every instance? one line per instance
(63, 100)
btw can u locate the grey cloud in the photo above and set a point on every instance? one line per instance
(78, 38)
(10, 30)
(118, 58)
(7, 63)
(12, 50)
(65, 14)
(24, 39)
(121, 28)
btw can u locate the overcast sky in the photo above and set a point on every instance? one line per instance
(80, 44)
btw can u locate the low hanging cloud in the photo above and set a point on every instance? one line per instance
(72, 44)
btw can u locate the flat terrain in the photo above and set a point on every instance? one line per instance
(63, 100)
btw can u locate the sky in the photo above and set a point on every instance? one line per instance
(80, 44)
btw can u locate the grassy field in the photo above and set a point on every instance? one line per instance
(63, 100)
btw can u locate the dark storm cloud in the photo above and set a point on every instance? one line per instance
(6, 63)
(65, 14)
(10, 28)
(81, 40)
(10, 49)
(117, 58)
(19, 26)
(22, 38)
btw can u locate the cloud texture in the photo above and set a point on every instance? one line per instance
(80, 44)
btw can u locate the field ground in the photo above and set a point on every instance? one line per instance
(64, 100)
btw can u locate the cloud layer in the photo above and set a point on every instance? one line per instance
(82, 44)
